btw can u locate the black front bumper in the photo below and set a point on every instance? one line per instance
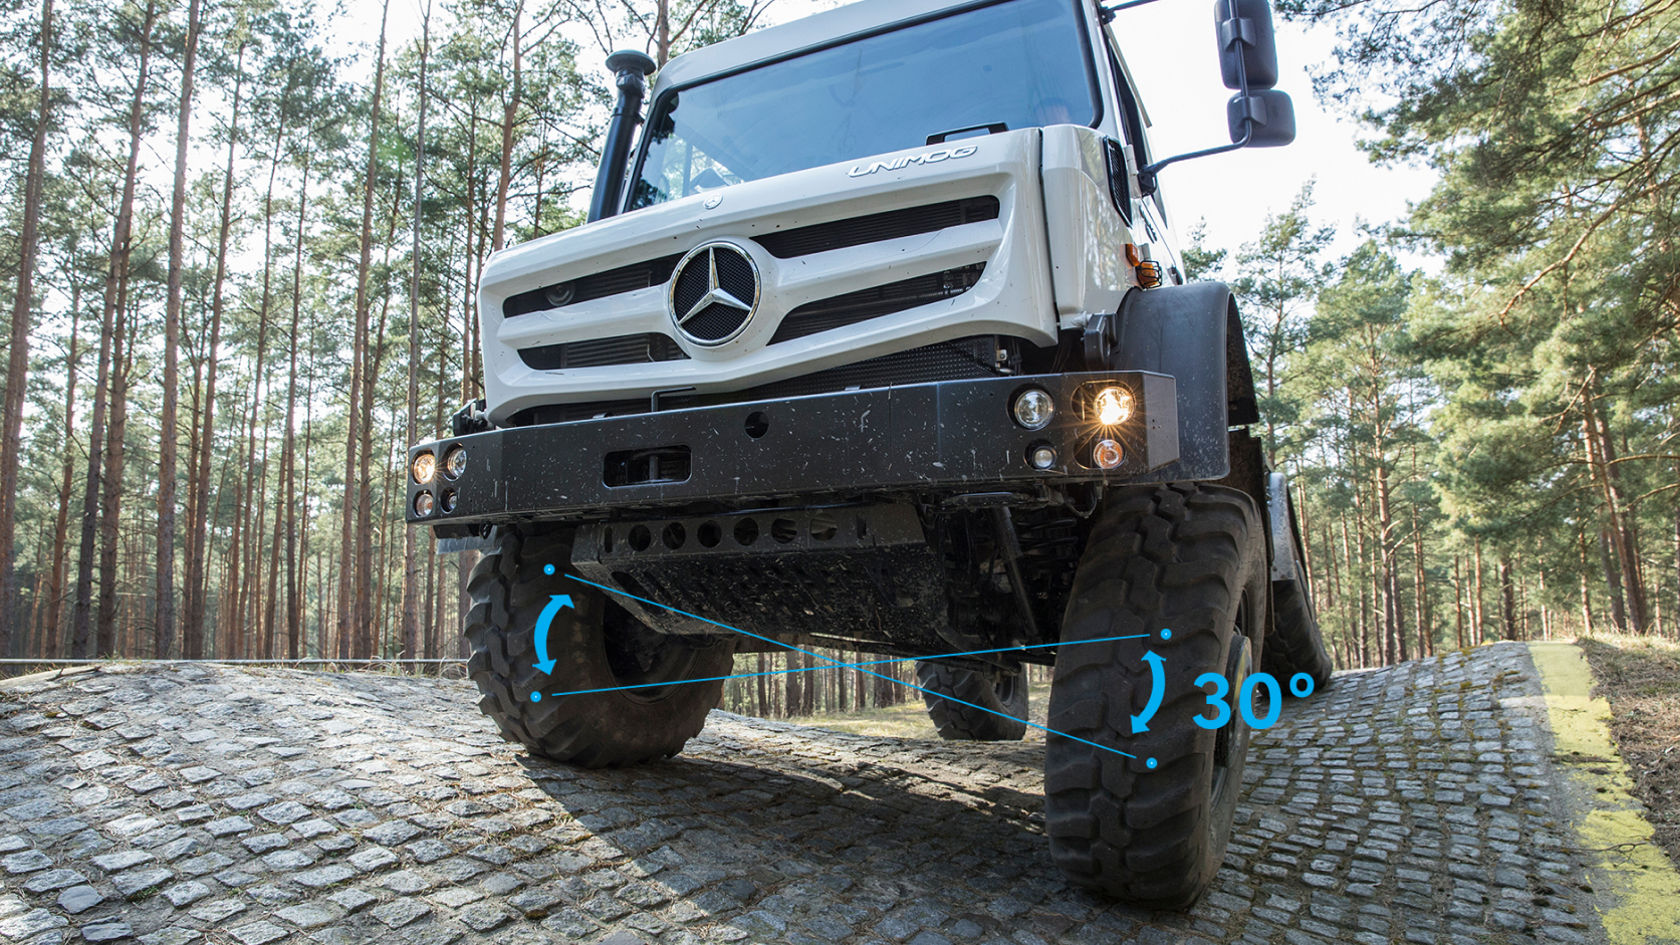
(947, 436)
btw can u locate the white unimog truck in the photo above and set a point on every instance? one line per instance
(877, 339)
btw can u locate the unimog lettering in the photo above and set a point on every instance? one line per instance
(899, 164)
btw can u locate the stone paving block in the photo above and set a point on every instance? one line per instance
(137, 881)
(107, 930)
(257, 933)
(309, 915)
(185, 894)
(350, 808)
(325, 876)
(400, 912)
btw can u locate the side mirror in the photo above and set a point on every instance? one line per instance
(1261, 119)
(1246, 43)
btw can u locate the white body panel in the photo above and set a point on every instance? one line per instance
(1054, 257)
(1013, 297)
(1087, 237)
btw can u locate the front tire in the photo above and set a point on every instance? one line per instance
(991, 697)
(1190, 559)
(597, 645)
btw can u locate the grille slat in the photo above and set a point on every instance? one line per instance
(600, 352)
(597, 285)
(876, 302)
(946, 361)
(878, 227)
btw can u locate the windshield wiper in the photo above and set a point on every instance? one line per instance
(995, 128)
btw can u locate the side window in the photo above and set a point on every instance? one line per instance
(1130, 115)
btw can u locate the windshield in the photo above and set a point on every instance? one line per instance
(1016, 64)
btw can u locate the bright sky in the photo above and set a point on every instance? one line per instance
(1170, 48)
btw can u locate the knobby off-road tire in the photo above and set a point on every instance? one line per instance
(597, 645)
(1000, 692)
(1296, 645)
(1186, 558)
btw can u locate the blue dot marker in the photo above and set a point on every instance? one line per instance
(548, 569)
(536, 697)
(1150, 763)
(1166, 634)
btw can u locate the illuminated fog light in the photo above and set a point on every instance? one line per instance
(1042, 457)
(1107, 454)
(455, 463)
(1115, 406)
(423, 504)
(1034, 408)
(448, 501)
(424, 468)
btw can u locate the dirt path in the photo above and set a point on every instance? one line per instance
(1641, 679)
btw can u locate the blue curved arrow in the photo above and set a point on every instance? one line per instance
(1157, 691)
(549, 612)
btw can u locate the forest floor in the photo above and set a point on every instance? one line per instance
(1640, 677)
(909, 719)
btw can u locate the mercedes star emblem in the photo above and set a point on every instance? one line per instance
(714, 293)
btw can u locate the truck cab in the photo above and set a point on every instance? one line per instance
(878, 339)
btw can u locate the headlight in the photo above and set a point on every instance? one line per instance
(1042, 456)
(455, 462)
(1033, 409)
(423, 504)
(424, 467)
(1114, 406)
(448, 501)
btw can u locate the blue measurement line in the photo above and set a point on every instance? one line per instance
(815, 669)
(826, 659)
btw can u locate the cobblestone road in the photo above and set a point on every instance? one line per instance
(201, 803)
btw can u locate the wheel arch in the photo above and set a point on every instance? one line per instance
(1193, 333)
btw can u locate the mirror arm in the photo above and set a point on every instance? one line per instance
(1234, 30)
(1146, 175)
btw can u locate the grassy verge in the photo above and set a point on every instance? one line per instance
(1640, 678)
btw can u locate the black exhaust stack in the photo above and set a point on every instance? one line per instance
(631, 67)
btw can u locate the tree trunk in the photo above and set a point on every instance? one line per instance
(1478, 630)
(110, 514)
(163, 634)
(1420, 589)
(351, 570)
(510, 113)
(288, 447)
(82, 641)
(1602, 456)
(1458, 598)
(411, 561)
(1612, 579)
(1509, 597)
(198, 477)
(23, 304)
(791, 681)
(52, 638)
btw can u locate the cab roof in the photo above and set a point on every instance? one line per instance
(828, 28)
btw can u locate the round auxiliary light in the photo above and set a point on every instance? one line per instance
(1042, 457)
(424, 467)
(1114, 406)
(1107, 454)
(1033, 409)
(448, 501)
(423, 504)
(455, 463)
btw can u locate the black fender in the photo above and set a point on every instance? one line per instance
(1192, 333)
